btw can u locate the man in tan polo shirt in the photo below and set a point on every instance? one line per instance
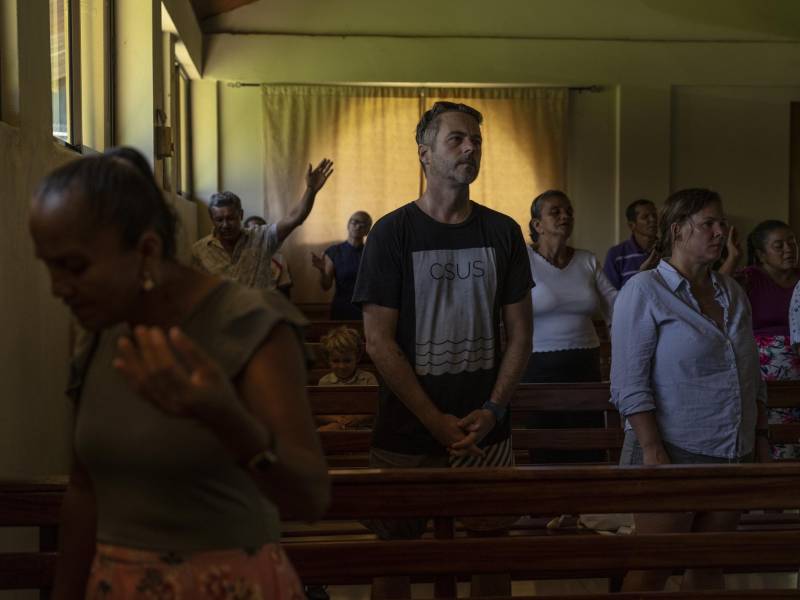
(244, 254)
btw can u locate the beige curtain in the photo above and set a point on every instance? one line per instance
(369, 133)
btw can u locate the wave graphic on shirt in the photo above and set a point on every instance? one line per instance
(454, 300)
(464, 355)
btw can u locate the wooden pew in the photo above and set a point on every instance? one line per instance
(528, 399)
(349, 448)
(315, 311)
(445, 495)
(33, 503)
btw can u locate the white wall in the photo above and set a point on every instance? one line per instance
(34, 345)
(241, 146)
(591, 168)
(35, 428)
(735, 140)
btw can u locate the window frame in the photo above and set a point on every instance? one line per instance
(183, 152)
(75, 81)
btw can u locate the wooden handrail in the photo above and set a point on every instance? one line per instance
(538, 555)
(360, 493)
(349, 441)
(371, 493)
(529, 397)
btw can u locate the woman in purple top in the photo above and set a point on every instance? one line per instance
(340, 263)
(769, 280)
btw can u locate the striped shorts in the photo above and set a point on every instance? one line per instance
(500, 454)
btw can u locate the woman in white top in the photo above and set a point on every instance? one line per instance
(570, 289)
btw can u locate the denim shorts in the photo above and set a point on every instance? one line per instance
(632, 454)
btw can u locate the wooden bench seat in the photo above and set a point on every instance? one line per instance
(446, 495)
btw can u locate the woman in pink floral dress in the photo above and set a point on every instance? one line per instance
(769, 280)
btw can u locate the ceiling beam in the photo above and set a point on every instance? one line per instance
(208, 8)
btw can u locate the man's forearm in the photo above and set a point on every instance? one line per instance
(512, 366)
(297, 215)
(401, 380)
(325, 280)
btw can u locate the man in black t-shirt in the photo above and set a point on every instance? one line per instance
(437, 278)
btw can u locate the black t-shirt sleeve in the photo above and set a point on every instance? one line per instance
(518, 280)
(380, 274)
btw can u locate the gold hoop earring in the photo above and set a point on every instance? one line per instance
(147, 282)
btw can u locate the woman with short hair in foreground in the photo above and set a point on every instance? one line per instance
(192, 426)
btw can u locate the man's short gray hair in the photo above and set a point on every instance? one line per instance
(226, 198)
(428, 125)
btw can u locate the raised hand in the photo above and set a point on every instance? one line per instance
(733, 246)
(174, 374)
(318, 262)
(315, 179)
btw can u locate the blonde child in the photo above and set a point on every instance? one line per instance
(343, 347)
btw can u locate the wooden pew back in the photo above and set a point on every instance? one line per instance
(348, 448)
(446, 495)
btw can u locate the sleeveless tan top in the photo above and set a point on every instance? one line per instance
(167, 483)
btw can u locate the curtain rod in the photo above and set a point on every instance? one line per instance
(581, 88)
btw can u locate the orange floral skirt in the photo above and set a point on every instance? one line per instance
(242, 574)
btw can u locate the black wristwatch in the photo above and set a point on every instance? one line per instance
(498, 411)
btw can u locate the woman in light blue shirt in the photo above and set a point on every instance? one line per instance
(685, 370)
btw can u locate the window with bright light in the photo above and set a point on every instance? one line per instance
(94, 73)
(80, 75)
(60, 79)
(184, 135)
